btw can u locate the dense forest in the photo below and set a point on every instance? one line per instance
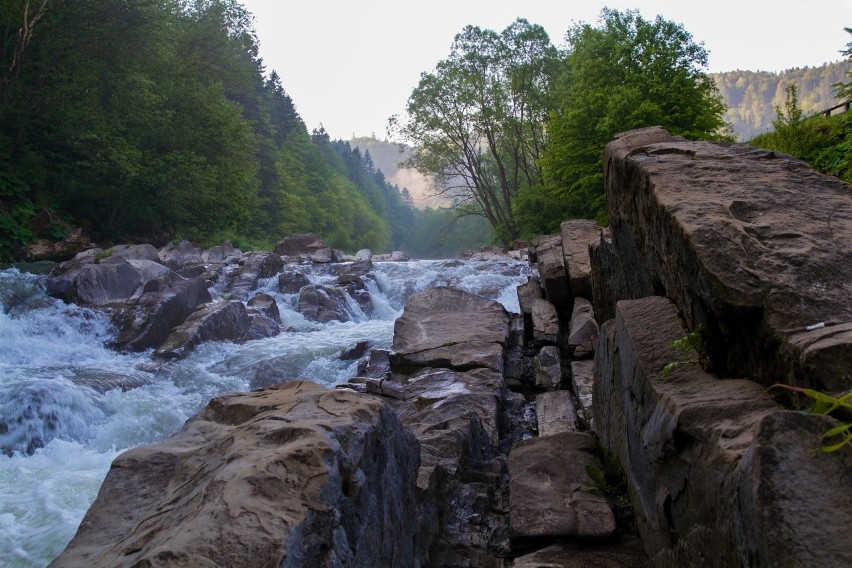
(752, 96)
(155, 120)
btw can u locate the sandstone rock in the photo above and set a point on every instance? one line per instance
(323, 303)
(548, 368)
(399, 256)
(378, 365)
(216, 321)
(445, 327)
(266, 305)
(545, 322)
(291, 282)
(356, 351)
(260, 326)
(584, 329)
(258, 265)
(296, 475)
(718, 470)
(551, 269)
(548, 497)
(324, 256)
(577, 236)
(364, 254)
(555, 413)
(298, 244)
(74, 243)
(527, 294)
(754, 245)
(179, 255)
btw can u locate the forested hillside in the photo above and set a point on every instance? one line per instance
(154, 120)
(752, 96)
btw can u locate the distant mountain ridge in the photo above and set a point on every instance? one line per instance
(751, 96)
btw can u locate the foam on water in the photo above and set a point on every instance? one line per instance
(69, 405)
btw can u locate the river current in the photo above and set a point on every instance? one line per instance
(69, 405)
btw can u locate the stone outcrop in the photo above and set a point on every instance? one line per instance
(258, 265)
(753, 245)
(720, 474)
(577, 236)
(551, 268)
(445, 327)
(292, 476)
(216, 321)
(180, 255)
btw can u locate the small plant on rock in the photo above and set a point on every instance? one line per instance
(825, 404)
(693, 347)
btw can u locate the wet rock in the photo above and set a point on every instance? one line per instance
(323, 303)
(86, 282)
(265, 304)
(548, 368)
(179, 255)
(216, 321)
(548, 497)
(378, 365)
(353, 274)
(297, 475)
(555, 412)
(718, 470)
(258, 265)
(325, 256)
(754, 245)
(577, 236)
(584, 329)
(146, 321)
(355, 352)
(260, 326)
(290, 282)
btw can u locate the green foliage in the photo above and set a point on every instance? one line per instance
(824, 404)
(693, 347)
(844, 89)
(625, 73)
(477, 121)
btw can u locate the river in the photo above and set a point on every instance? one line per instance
(69, 405)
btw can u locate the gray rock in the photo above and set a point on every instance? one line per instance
(220, 253)
(179, 255)
(527, 293)
(583, 380)
(555, 412)
(216, 321)
(548, 368)
(323, 303)
(258, 265)
(260, 326)
(364, 254)
(551, 269)
(290, 282)
(297, 475)
(548, 497)
(299, 244)
(135, 252)
(266, 305)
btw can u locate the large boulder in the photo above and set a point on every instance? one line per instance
(323, 304)
(445, 327)
(717, 469)
(146, 321)
(551, 268)
(753, 245)
(292, 476)
(180, 255)
(216, 321)
(262, 264)
(299, 244)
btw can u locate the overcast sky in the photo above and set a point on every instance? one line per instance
(350, 64)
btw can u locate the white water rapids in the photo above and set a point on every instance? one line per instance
(62, 419)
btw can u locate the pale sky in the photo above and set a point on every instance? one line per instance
(352, 64)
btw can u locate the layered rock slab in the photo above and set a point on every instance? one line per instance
(295, 475)
(754, 245)
(446, 327)
(720, 474)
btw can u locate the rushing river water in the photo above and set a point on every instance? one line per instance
(69, 405)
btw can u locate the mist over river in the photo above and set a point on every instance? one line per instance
(69, 405)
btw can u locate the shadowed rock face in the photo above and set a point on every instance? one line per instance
(295, 475)
(717, 469)
(754, 245)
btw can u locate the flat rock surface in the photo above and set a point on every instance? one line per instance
(555, 412)
(296, 475)
(548, 497)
